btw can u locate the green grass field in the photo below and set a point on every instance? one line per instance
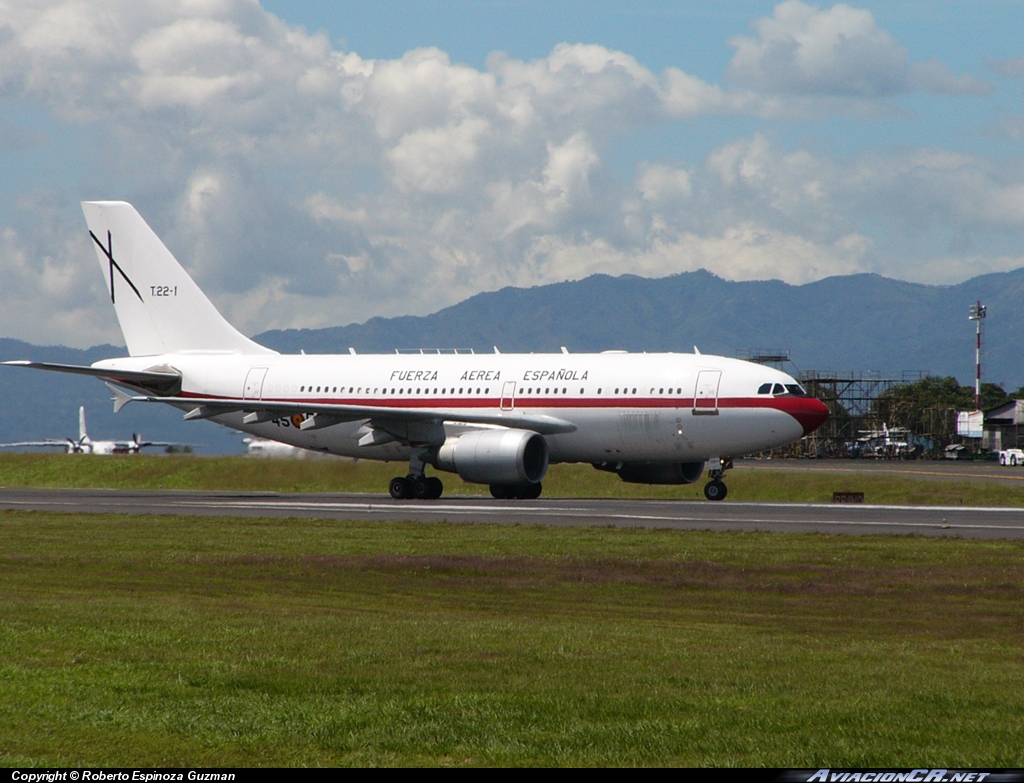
(214, 641)
(335, 475)
(154, 641)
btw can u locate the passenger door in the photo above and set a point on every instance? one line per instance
(508, 396)
(254, 383)
(705, 394)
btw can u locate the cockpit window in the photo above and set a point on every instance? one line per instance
(796, 390)
(764, 388)
(779, 389)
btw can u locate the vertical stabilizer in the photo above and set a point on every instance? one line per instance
(83, 436)
(159, 307)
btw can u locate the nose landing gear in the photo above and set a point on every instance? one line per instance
(715, 489)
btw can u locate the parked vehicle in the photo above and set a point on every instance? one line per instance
(1011, 457)
(957, 451)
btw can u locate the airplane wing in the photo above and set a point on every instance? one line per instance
(316, 416)
(163, 380)
(49, 442)
(145, 444)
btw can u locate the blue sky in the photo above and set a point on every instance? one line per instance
(318, 163)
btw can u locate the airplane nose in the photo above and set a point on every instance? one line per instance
(810, 412)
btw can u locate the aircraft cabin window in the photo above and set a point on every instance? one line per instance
(581, 390)
(661, 391)
(616, 389)
(598, 389)
(302, 388)
(634, 390)
(460, 389)
(764, 388)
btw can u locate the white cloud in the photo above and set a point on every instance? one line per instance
(437, 160)
(747, 251)
(307, 186)
(1011, 68)
(804, 50)
(659, 183)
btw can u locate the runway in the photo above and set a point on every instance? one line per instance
(966, 522)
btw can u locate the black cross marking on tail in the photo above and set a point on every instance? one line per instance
(108, 251)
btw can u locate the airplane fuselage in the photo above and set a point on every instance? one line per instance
(621, 407)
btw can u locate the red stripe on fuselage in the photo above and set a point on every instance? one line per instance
(810, 412)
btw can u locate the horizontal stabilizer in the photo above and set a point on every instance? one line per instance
(156, 381)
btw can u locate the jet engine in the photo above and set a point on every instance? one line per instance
(655, 472)
(507, 456)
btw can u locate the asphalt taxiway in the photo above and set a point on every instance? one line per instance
(854, 519)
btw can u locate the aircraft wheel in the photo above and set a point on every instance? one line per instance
(524, 491)
(436, 488)
(715, 490)
(420, 488)
(501, 492)
(400, 488)
(1013, 460)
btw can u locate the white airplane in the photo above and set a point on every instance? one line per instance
(497, 419)
(275, 449)
(86, 445)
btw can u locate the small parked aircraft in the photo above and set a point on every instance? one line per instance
(86, 445)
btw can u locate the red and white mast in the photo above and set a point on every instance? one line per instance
(977, 314)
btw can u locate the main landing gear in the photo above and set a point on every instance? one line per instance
(416, 486)
(516, 491)
(715, 489)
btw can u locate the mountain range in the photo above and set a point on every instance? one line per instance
(856, 323)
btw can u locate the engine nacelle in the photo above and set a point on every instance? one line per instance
(495, 456)
(655, 472)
